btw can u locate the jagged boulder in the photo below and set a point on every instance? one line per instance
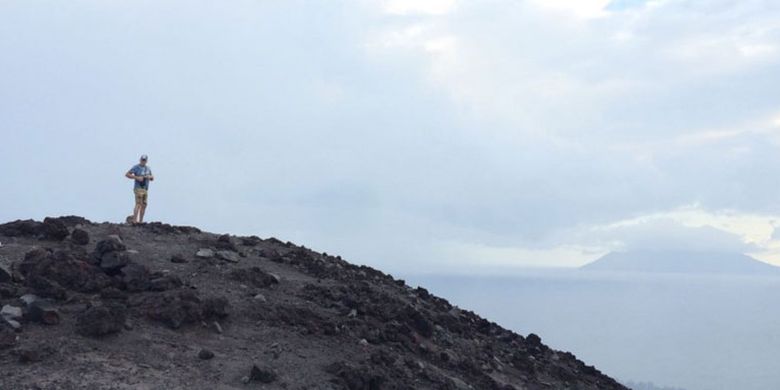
(52, 274)
(33, 353)
(7, 335)
(418, 321)
(228, 256)
(164, 283)
(353, 377)
(303, 319)
(178, 258)
(32, 259)
(135, 277)
(215, 307)
(167, 229)
(79, 237)
(112, 244)
(22, 228)
(11, 312)
(54, 229)
(273, 255)
(110, 254)
(42, 311)
(101, 320)
(254, 276)
(74, 220)
(112, 262)
(262, 374)
(178, 307)
(6, 275)
(111, 294)
(8, 290)
(225, 242)
(251, 241)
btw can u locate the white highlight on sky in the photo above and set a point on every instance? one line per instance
(584, 9)
(430, 7)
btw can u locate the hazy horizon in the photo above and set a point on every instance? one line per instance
(710, 332)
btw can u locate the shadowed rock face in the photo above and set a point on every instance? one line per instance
(266, 313)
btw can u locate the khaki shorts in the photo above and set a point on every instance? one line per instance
(141, 195)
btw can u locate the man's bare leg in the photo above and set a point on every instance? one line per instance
(141, 213)
(137, 213)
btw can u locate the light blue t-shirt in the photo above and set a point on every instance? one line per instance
(140, 170)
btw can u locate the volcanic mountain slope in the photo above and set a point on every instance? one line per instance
(105, 306)
(688, 262)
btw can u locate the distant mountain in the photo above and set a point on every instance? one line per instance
(682, 262)
(647, 386)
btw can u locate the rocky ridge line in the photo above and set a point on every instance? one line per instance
(241, 311)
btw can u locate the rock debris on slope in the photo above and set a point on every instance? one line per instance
(106, 306)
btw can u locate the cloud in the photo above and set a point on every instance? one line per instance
(687, 229)
(505, 66)
(578, 8)
(668, 235)
(622, 5)
(399, 133)
(430, 7)
(476, 258)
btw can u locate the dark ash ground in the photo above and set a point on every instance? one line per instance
(165, 307)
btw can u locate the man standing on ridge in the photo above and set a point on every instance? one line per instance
(141, 175)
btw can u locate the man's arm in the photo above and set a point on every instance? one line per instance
(131, 175)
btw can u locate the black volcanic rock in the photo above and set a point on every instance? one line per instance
(7, 335)
(79, 237)
(179, 307)
(21, 228)
(73, 220)
(254, 276)
(112, 262)
(33, 353)
(262, 374)
(166, 282)
(54, 274)
(327, 325)
(6, 275)
(225, 242)
(355, 377)
(54, 229)
(101, 320)
(135, 277)
(108, 246)
(178, 258)
(44, 312)
(205, 354)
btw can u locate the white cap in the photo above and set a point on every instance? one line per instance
(144, 157)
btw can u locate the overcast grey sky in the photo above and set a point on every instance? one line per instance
(410, 135)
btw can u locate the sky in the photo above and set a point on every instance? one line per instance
(413, 136)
